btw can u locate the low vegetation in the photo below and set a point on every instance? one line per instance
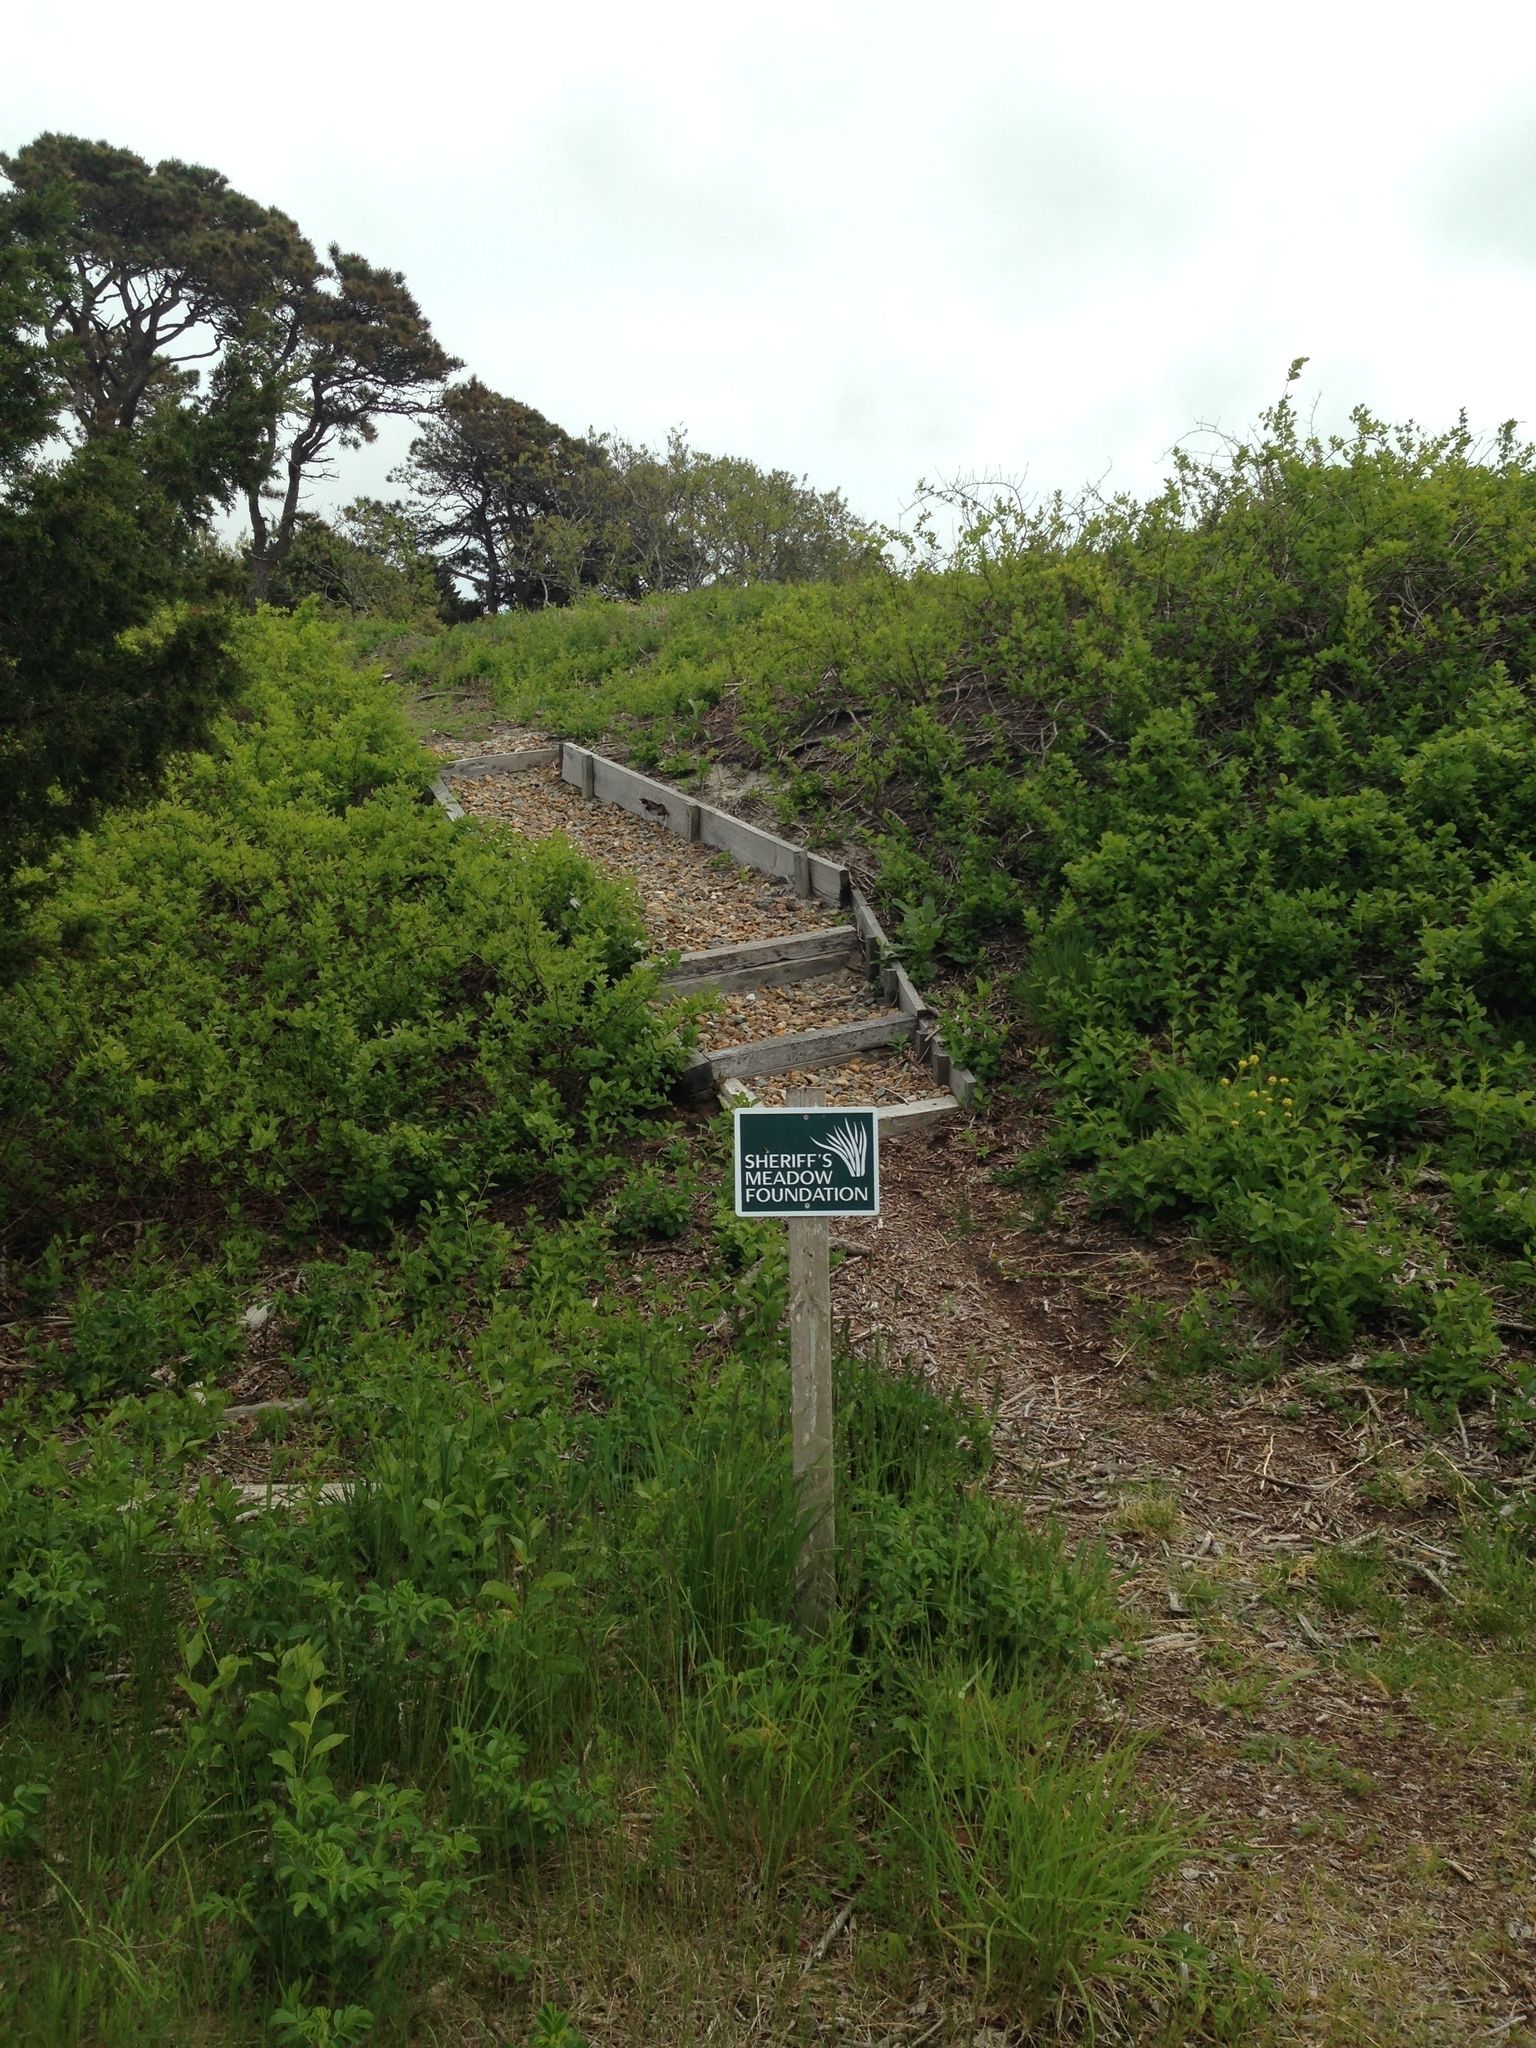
(1206, 821)
(459, 1683)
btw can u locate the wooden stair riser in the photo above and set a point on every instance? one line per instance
(829, 1046)
(772, 974)
(758, 952)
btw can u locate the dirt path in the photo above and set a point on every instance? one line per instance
(1371, 1846)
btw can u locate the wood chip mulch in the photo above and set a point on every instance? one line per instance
(692, 897)
(745, 1015)
(890, 1075)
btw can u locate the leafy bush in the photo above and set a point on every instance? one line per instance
(291, 979)
(150, 1322)
(353, 1887)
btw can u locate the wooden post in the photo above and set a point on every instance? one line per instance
(810, 1366)
(589, 773)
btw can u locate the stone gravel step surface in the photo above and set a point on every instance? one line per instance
(694, 898)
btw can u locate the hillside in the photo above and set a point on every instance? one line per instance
(1211, 818)
(397, 1533)
(396, 1525)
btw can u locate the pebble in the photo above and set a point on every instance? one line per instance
(747, 1014)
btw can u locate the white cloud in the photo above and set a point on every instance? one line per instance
(873, 241)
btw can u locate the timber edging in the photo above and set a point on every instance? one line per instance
(759, 962)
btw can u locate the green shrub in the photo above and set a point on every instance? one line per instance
(292, 980)
(155, 1324)
(349, 1889)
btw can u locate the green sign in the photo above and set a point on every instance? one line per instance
(807, 1162)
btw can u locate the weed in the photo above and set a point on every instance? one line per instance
(765, 1751)
(1498, 1580)
(21, 1824)
(1150, 1511)
(553, 2029)
(1353, 1579)
(650, 1207)
(1207, 1335)
(1315, 1762)
(1026, 1859)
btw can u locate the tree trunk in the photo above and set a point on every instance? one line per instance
(261, 561)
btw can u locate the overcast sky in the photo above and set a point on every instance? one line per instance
(872, 242)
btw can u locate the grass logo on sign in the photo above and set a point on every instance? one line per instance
(807, 1162)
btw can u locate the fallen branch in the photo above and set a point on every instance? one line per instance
(244, 1411)
(818, 1954)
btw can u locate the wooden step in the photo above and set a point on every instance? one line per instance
(518, 763)
(810, 874)
(762, 952)
(896, 1119)
(772, 973)
(827, 1046)
(766, 963)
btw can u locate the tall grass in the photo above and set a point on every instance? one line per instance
(343, 1742)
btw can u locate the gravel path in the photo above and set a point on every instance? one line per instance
(692, 897)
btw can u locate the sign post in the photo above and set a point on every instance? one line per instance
(808, 1164)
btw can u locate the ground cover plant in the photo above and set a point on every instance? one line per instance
(1211, 814)
(460, 1682)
